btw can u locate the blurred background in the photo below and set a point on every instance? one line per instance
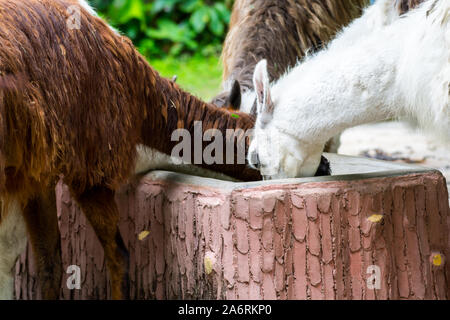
(178, 37)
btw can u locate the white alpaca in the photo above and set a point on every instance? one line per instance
(379, 16)
(400, 69)
(375, 17)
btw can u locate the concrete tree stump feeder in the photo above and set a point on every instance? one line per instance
(373, 230)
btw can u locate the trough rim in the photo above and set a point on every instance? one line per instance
(393, 169)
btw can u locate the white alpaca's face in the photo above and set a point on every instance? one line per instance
(278, 155)
(275, 153)
(265, 152)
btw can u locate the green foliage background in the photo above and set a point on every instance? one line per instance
(178, 37)
(161, 28)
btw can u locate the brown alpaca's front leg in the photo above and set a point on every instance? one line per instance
(42, 224)
(100, 208)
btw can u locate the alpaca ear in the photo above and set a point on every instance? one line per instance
(262, 88)
(235, 97)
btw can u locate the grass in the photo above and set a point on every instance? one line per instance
(198, 75)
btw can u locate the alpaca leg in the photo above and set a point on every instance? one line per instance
(42, 224)
(100, 208)
(13, 240)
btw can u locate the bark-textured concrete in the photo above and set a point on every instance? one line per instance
(312, 240)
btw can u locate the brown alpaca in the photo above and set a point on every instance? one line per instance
(280, 31)
(75, 103)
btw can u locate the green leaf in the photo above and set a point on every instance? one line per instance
(189, 6)
(215, 25)
(223, 12)
(134, 9)
(164, 5)
(168, 30)
(199, 19)
(147, 45)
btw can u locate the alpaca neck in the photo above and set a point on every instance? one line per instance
(169, 108)
(344, 86)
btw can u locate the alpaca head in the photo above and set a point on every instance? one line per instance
(230, 99)
(273, 151)
(236, 97)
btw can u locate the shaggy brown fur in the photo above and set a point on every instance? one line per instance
(281, 31)
(88, 100)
